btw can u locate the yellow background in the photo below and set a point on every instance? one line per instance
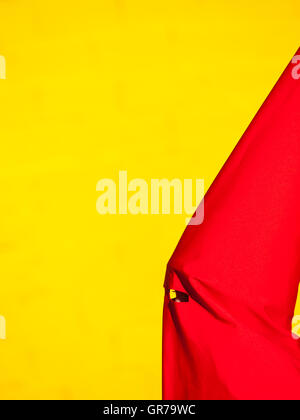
(159, 88)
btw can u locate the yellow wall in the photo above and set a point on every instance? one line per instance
(159, 88)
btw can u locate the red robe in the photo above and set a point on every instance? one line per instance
(241, 269)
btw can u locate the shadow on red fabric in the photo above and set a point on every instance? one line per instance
(231, 338)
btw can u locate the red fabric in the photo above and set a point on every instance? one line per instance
(241, 269)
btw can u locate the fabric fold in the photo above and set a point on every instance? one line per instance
(241, 268)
